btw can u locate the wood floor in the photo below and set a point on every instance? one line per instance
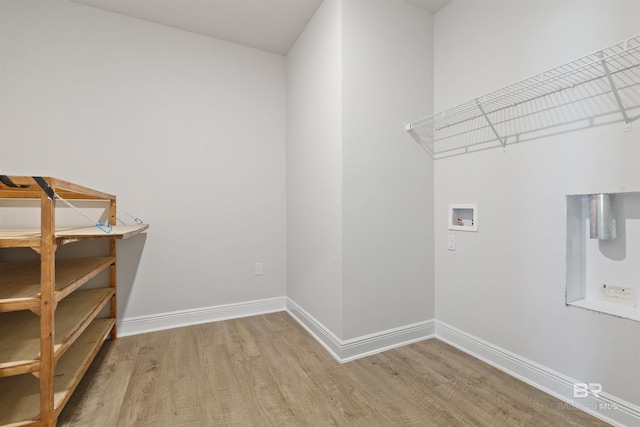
(267, 371)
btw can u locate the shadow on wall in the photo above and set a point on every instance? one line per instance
(129, 255)
(627, 208)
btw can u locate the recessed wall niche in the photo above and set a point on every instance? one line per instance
(463, 217)
(603, 253)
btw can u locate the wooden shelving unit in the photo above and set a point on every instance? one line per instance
(49, 326)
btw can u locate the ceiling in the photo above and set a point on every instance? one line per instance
(270, 25)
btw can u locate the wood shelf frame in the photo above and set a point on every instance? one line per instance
(19, 330)
(25, 187)
(20, 280)
(49, 331)
(20, 395)
(31, 237)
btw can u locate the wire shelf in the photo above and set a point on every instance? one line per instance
(597, 89)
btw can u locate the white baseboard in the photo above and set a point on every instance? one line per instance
(176, 319)
(323, 335)
(606, 407)
(346, 350)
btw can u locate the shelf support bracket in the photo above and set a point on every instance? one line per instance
(425, 145)
(493, 129)
(614, 90)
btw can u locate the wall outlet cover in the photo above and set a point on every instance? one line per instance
(618, 294)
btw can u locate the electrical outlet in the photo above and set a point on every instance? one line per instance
(257, 269)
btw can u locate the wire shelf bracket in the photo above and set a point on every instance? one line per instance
(616, 94)
(598, 89)
(493, 129)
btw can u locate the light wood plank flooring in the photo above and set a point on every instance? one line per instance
(267, 371)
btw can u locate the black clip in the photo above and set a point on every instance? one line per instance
(45, 187)
(6, 181)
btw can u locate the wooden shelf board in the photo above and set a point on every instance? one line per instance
(20, 395)
(118, 232)
(16, 239)
(30, 237)
(20, 330)
(20, 281)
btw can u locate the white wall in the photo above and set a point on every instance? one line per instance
(360, 191)
(187, 131)
(387, 178)
(505, 284)
(314, 168)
